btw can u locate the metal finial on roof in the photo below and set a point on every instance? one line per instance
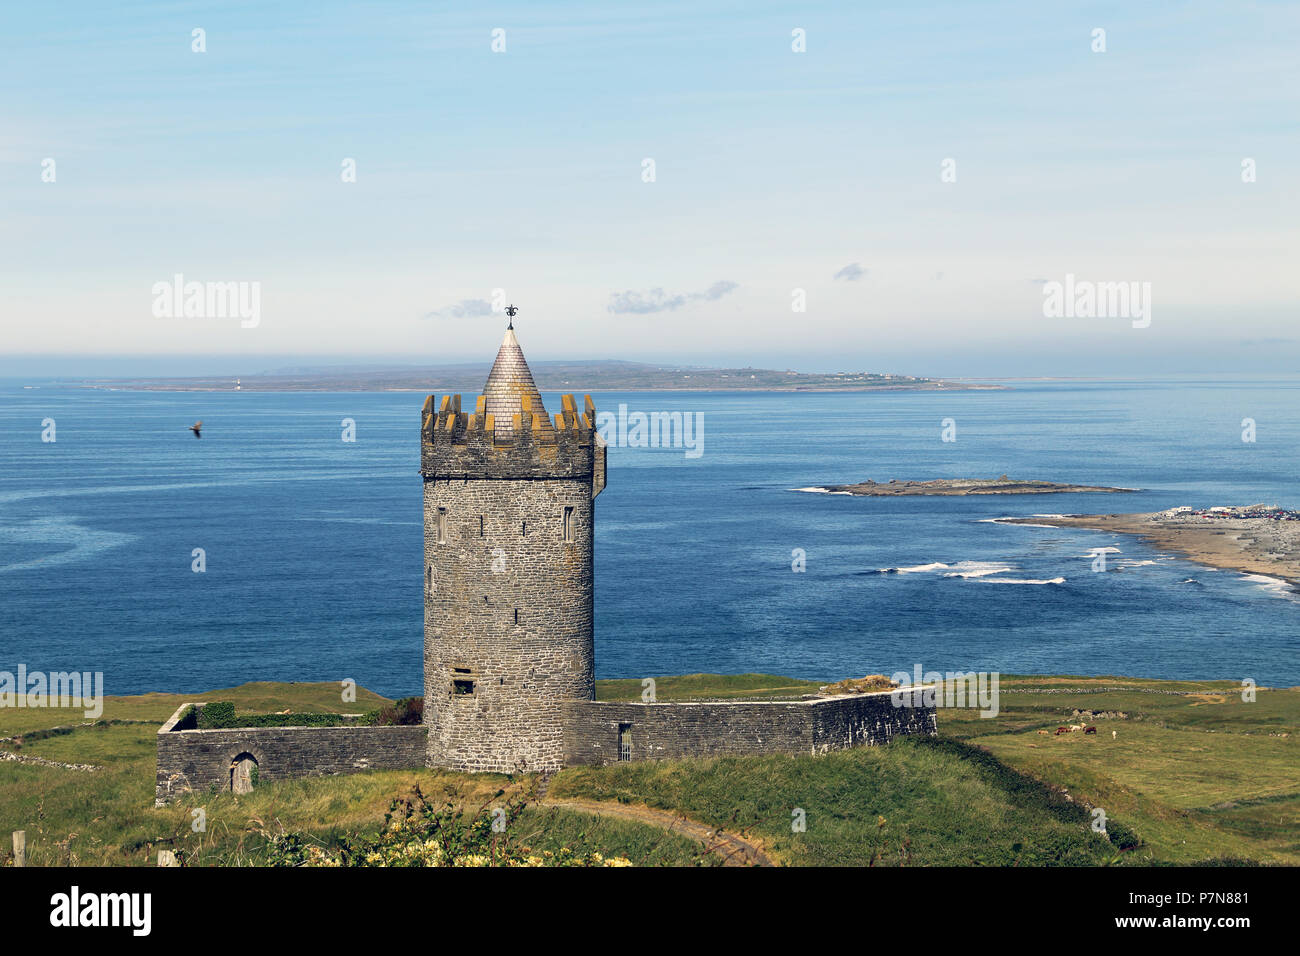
(510, 311)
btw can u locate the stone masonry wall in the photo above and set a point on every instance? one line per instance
(839, 723)
(735, 728)
(508, 614)
(197, 760)
(508, 624)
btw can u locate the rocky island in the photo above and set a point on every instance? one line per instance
(1255, 539)
(1002, 485)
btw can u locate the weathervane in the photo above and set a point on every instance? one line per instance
(510, 311)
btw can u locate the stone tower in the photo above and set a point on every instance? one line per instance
(508, 580)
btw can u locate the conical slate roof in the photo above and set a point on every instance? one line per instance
(507, 383)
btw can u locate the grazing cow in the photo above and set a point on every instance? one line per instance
(1062, 730)
(1089, 730)
(1045, 733)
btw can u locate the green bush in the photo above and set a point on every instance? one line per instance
(221, 716)
(292, 720)
(216, 715)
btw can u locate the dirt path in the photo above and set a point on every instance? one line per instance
(734, 850)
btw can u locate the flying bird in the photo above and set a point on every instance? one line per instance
(196, 429)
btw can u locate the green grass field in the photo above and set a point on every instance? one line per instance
(1197, 776)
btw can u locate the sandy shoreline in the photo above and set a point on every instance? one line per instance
(1250, 545)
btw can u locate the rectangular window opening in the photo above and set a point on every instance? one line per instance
(480, 526)
(568, 524)
(442, 525)
(624, 741)
(461, 687)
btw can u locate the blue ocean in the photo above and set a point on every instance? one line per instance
(313, 545)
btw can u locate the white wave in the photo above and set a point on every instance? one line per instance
(1275, 586)
(916, 569)
(961, 569)
(1013, 519)
(976, 569)
(822, 491)
(1265, 580)
(1092, 551)
(1023, 580)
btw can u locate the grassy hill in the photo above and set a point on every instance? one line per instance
(1192, 774)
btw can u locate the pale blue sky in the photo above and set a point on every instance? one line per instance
(774, 171)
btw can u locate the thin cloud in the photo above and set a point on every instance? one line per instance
(464, 309)
(851, 273)
(657, 300)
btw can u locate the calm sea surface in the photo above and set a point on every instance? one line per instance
(314, 545)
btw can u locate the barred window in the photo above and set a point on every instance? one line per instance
(624, 741)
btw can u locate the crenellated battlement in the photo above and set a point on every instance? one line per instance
(455, 443)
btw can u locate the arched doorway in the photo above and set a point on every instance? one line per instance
(243, 773)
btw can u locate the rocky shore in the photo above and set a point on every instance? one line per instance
(1256, 539)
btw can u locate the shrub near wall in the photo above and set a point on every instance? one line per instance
(221, 715)
(212, 716)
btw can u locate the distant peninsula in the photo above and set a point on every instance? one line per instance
(586, 376)
(1001, 485)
